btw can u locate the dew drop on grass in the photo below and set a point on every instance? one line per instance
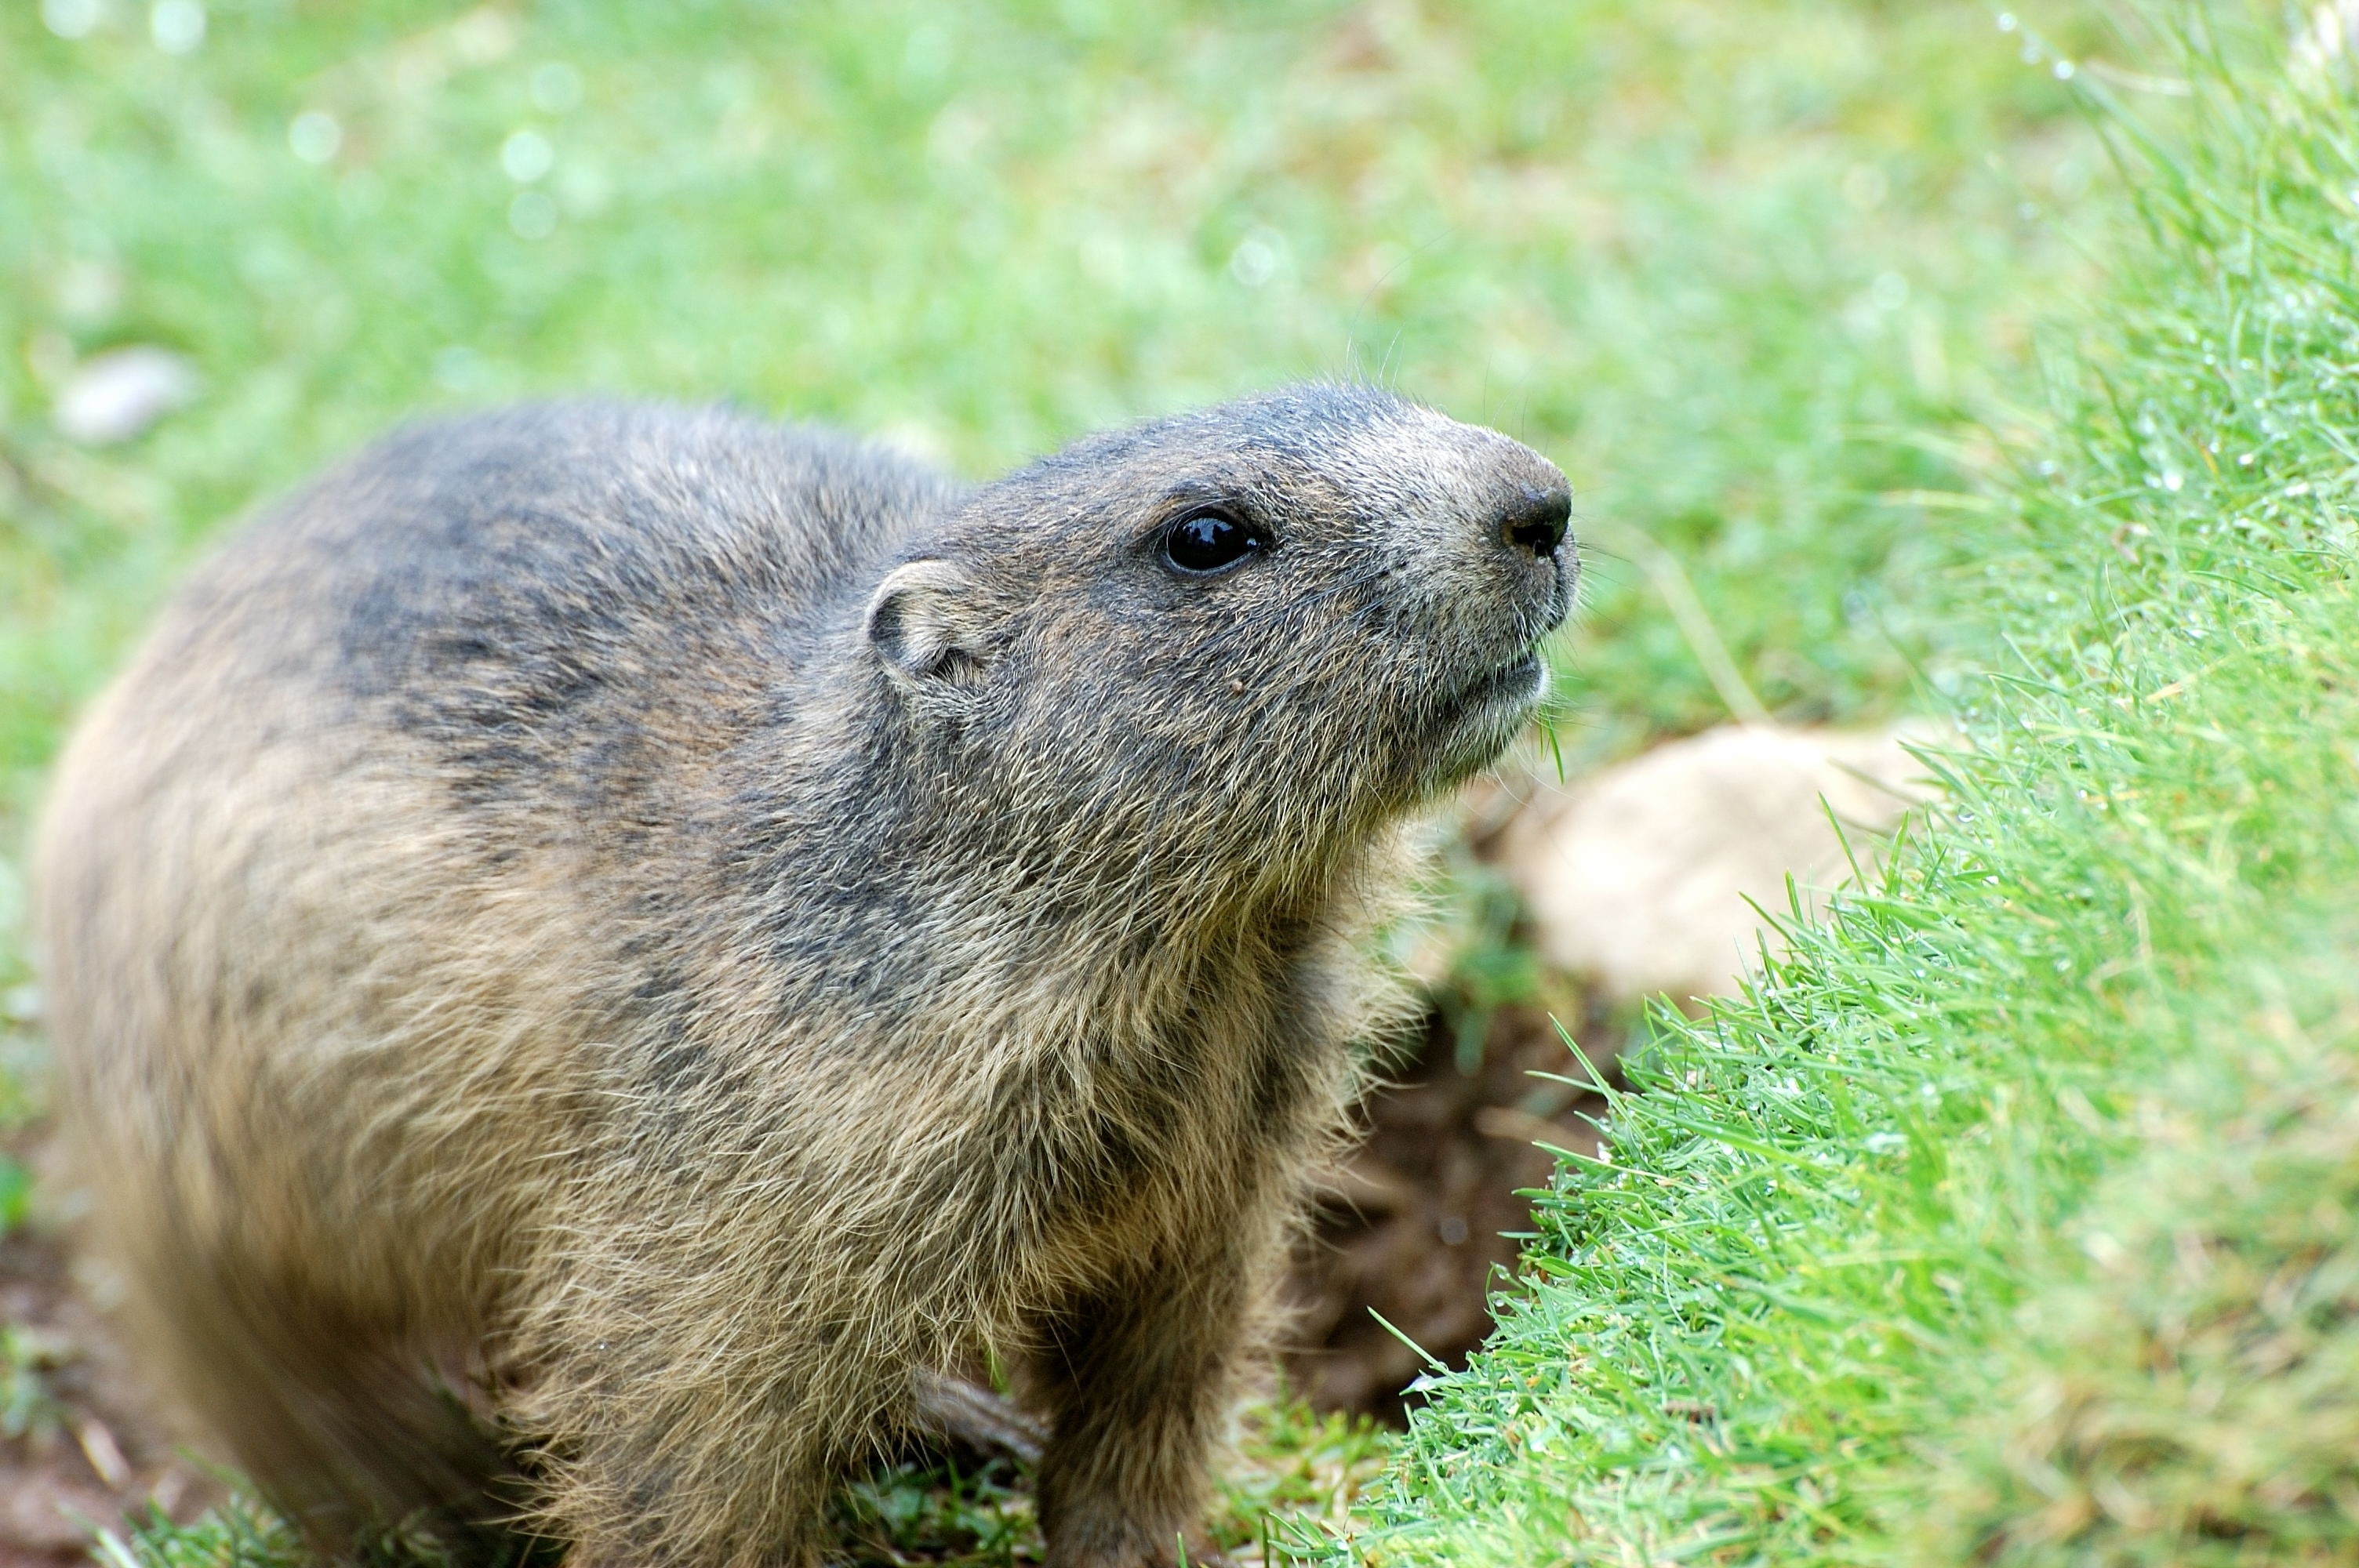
(313, 136)
(71, 19)
(525, 155)
(1256, 260)
(176, 26)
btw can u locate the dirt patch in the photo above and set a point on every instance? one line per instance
(82, 1445)
(1420, 1225)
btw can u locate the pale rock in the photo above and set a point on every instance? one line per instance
(114, 395)
(1637, 878)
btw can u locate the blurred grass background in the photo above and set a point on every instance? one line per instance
(1759, 276)
(1731, 264)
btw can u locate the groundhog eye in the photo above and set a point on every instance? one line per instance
(1210, 542)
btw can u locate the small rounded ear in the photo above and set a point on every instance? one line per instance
(921, 622)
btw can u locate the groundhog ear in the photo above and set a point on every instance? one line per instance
(919, 622)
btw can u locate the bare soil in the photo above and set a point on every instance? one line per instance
(1420, 1224)
(86, 1446)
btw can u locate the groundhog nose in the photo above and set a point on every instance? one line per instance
(1537, 522)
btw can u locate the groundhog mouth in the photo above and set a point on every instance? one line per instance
(1478, 721)
(1519, 682)
(1485, 713)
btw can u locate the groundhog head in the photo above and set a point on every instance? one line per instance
(1240, 632)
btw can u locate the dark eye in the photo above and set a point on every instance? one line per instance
(1210, 542)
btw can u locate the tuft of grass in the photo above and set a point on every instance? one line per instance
(2008, 1217)
(1300, 1473)
(238, 1533)
(938, 1513)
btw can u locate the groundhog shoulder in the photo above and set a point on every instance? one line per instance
(551, 601)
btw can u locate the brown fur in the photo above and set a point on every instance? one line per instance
(595, 944)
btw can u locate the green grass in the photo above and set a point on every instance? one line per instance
(2011, 1218)
(1758, 276)
(1300, 1473)
(237, 1534)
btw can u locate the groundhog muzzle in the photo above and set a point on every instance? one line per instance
(597, 948)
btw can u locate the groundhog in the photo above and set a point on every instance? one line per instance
(598, 947)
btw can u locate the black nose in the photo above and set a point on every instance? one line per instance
(1536, 522)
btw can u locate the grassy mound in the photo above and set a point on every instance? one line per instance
(2013, 1217)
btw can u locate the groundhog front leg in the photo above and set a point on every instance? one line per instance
(1140, 1378)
